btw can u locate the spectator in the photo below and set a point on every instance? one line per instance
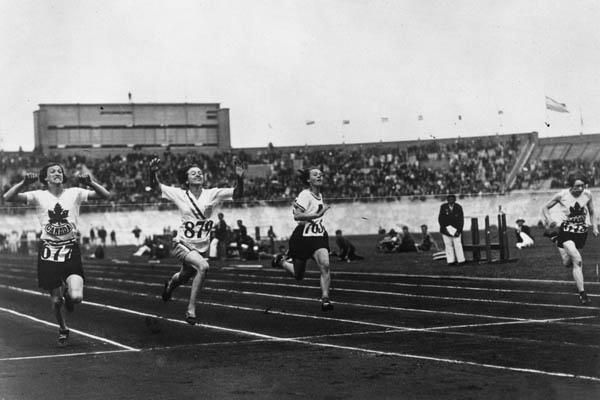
(102, 236)
(92, 236)
(113, 238)
(389, 242)
(523, 233)
(451, 220)
(221, 236)
(346, 250)
(272, 236)
(407, 243)
(137, 233)
(427, 241)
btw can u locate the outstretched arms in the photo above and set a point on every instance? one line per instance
(154, 167)
(13, 194)
(99, 190)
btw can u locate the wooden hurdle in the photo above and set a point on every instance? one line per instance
(476, 247)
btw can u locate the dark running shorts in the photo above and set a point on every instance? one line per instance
(57, 262)
(577, 238)
(303, 247)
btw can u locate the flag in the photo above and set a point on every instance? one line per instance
(345, 122)
(420, 118)
(384, 119)
(310, 122)
(500, 112)
(554, 105)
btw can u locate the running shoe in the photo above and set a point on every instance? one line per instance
(63, 335)
(584, 300)
(276, 260)
(326, 304)
(190, 319)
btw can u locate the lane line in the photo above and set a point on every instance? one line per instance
(364, 350)
(89, 335)
(91, 353)
(102, 267)
(447, 330)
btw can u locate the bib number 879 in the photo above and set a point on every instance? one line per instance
(197, 230)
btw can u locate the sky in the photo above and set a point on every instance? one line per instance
(277, 64)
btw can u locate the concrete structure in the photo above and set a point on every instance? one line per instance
(101, 129)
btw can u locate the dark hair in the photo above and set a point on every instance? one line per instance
(576, 176)
(304, 174)
(339, 231)
(43, 175)
(182, 173)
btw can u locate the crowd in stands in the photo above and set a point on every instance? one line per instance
(556, 173)
(467, 166)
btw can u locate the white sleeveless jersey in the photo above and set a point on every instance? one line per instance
(196, 224)
(58, 216)
(575, 212)
(307, 201)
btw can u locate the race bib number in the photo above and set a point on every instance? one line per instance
(56, 253)
(575, 228)
(197, 230)
(314, 228)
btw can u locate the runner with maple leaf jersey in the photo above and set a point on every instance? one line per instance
(577, 216)
(60, 270)
(195, 204)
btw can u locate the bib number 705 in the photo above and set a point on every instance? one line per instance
(314, 228)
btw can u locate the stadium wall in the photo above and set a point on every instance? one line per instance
(353, 218)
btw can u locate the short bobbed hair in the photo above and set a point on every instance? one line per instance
(43, 175)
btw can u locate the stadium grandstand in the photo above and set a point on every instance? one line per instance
(498, 168)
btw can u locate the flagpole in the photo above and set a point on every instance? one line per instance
(580, 121)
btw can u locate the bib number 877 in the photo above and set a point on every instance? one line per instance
(197, 230)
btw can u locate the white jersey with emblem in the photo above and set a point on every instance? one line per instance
(307, 201)
(195, 213)
(575, 216)
(58, 216)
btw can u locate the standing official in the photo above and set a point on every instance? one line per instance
(451, 221)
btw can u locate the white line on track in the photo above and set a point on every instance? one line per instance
(348, 348)
(91, 353)
(419, 296)
(337, 272)
(370, 306)
(448, 329)
(480, 289)
(399, 284)
(41, 321)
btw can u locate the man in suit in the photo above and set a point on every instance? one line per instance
(451, 221)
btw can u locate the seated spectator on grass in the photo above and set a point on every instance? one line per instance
(389, 242)
(524, 237)
(427, 241)
(407, 243)
(346, 250)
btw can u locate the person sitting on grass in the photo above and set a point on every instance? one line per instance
(347, 251)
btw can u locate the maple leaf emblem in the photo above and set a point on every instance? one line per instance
(576, 210)
(58, 216)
